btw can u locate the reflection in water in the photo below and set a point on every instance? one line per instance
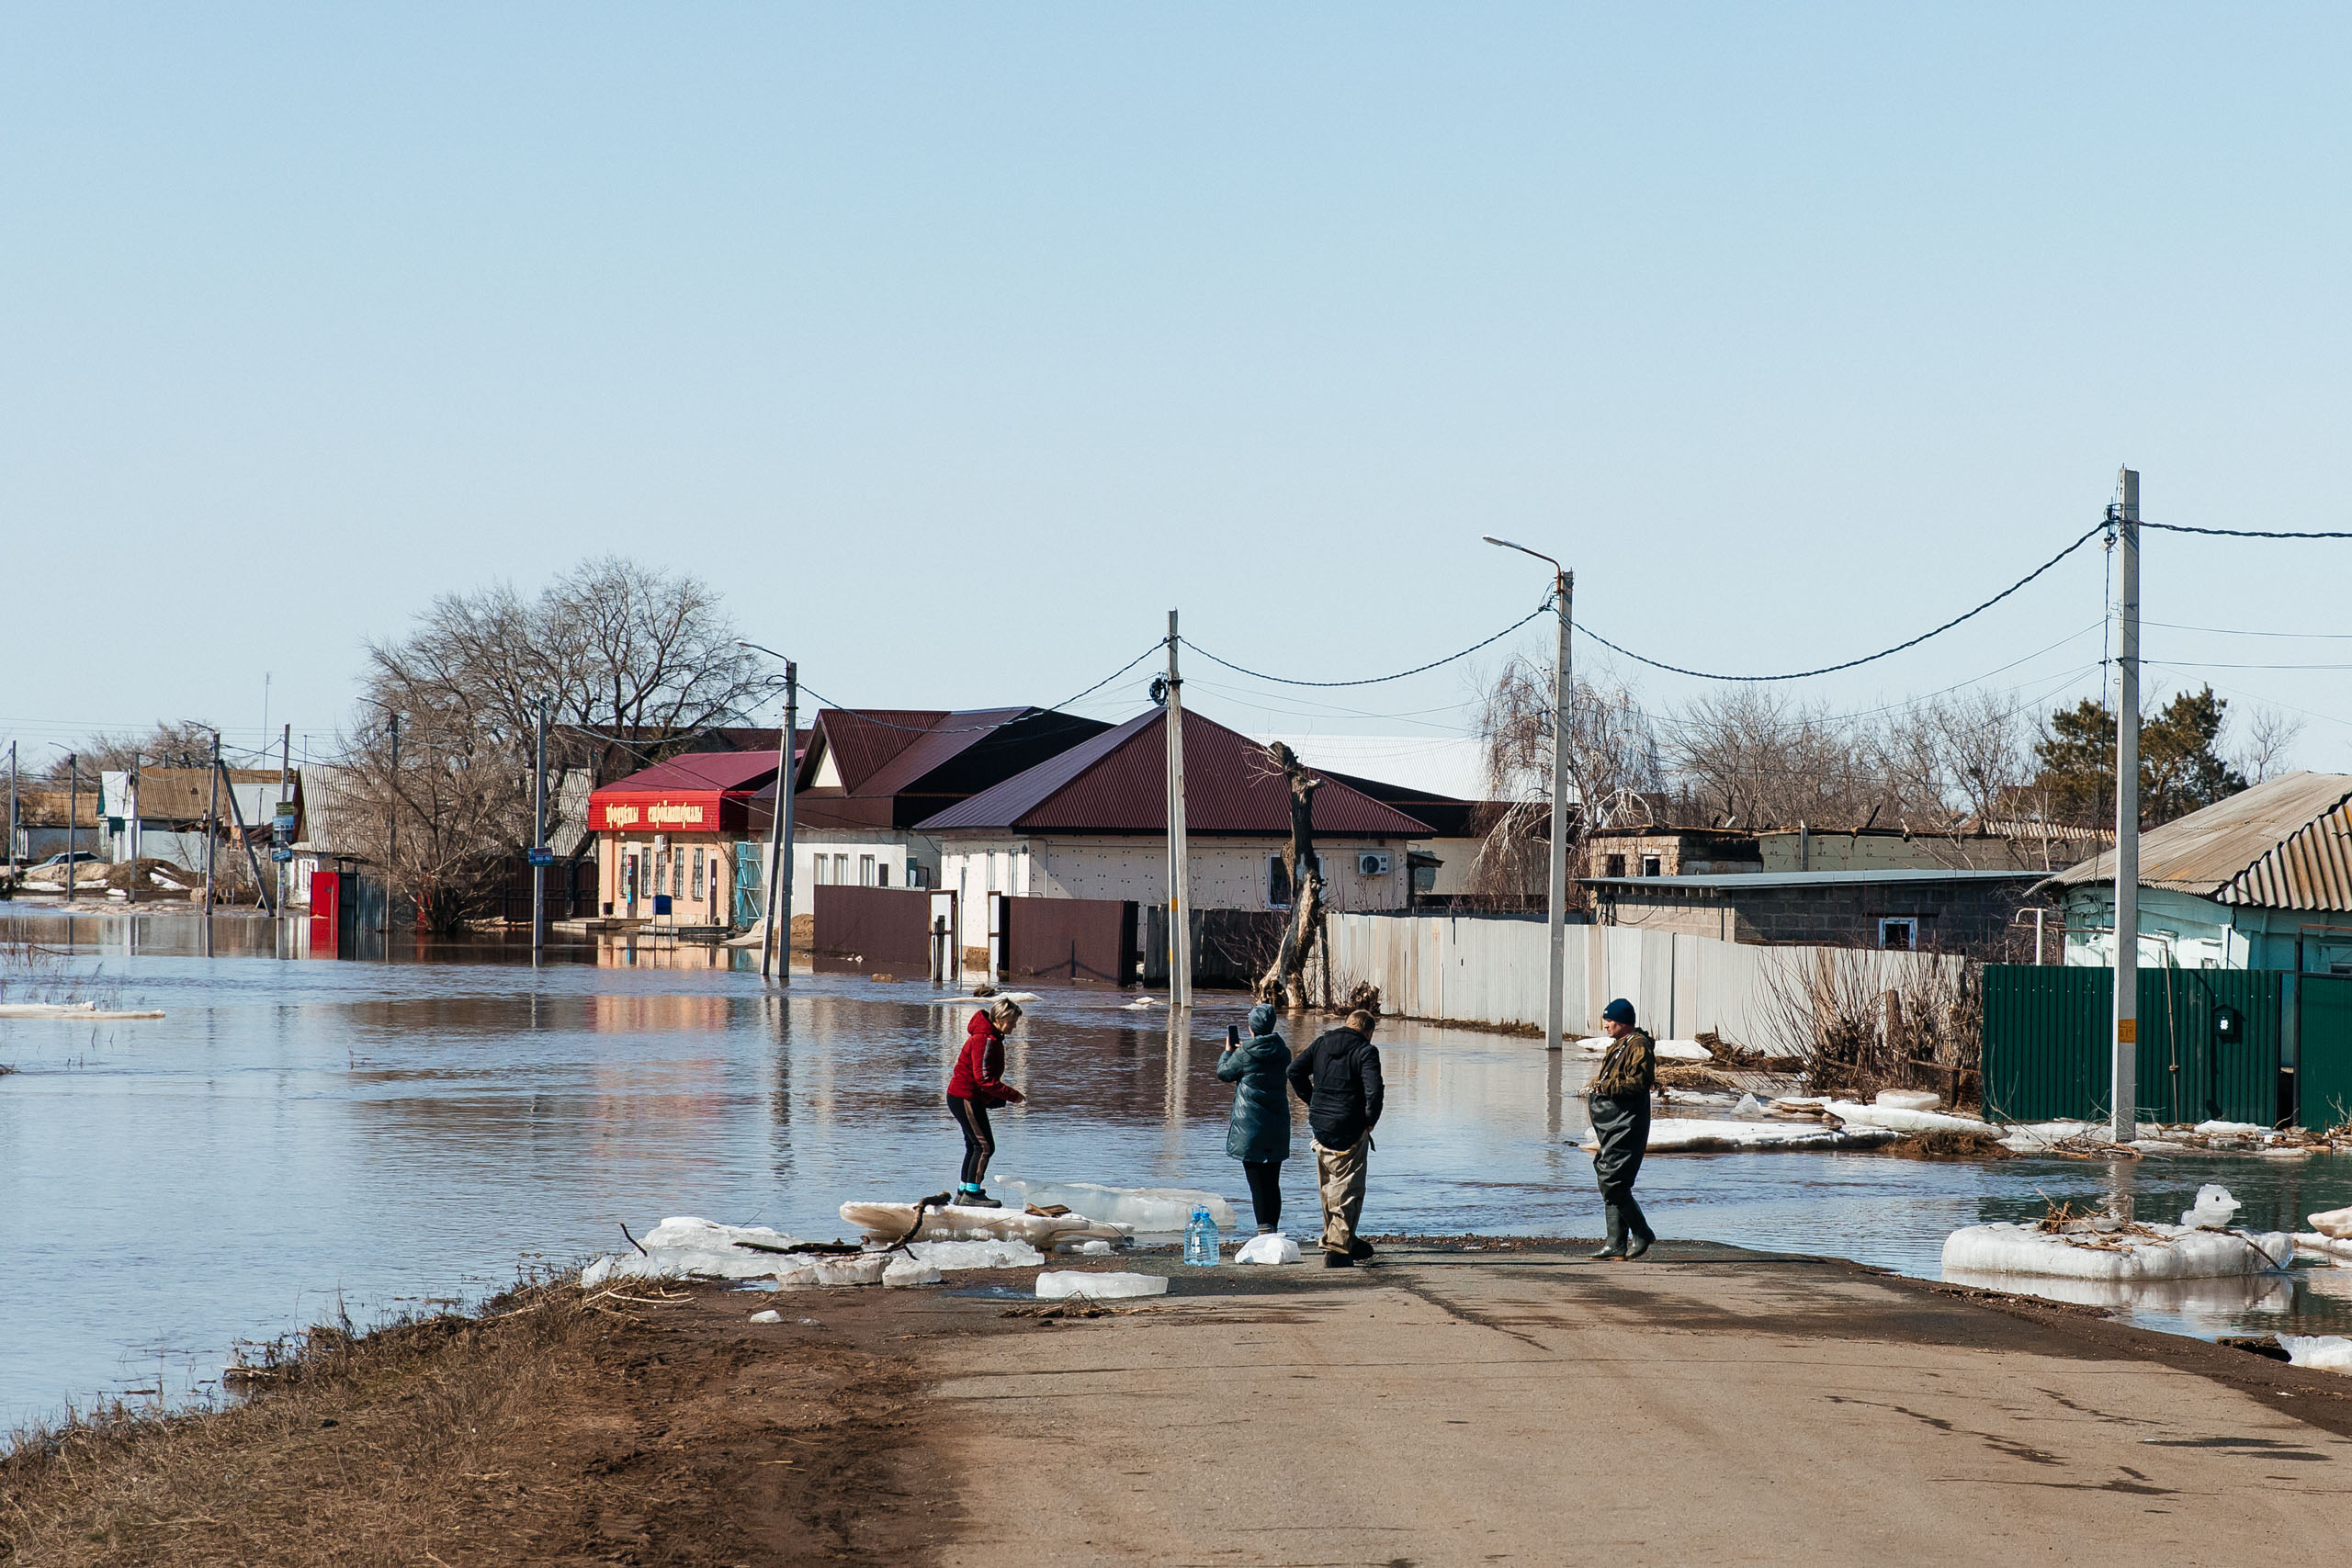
(294, 1130)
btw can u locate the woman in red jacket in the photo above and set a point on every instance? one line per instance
(976, 1084)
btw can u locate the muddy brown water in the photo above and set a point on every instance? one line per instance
(302, 1138)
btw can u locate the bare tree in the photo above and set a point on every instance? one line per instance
(185, 744)
(2271, 735)
(1613, 767)
(626, 657)
(1284, 980)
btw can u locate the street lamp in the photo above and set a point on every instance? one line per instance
(779, 898)
(1564, 588)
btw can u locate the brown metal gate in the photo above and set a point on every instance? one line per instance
(861, 930)
(1068, 939)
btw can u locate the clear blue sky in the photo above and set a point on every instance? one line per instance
(959, 343)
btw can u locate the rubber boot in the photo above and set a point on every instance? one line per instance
(1613, 1249)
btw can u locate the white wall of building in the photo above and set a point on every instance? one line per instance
(1225, 872)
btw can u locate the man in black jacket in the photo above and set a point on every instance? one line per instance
(1339, 1078)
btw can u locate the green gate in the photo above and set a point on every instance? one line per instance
(2324, 1045)
(2046, 1053)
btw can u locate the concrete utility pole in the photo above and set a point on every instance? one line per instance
(285, 794)
(73, 820)
(539, 840)
(211, 834)
(775, 951)
(1180, 882)
(12, 808)
(1556, 882)
(391, 831)
(2127, 817)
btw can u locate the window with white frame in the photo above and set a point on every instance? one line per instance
(865, 871)
(1899, 934)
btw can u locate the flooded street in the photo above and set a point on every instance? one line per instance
(302, 1136)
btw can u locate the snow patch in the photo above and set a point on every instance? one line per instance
(1063, 1284)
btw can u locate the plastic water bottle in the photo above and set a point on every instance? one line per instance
(1201, 1238)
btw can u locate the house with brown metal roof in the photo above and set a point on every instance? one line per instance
(2262, 880)
(1092, 823)
(866, 778)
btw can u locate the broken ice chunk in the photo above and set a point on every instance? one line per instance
(771, 1315)
(1061, 1284)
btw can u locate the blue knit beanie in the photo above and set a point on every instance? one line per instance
(1261, 1018)
(1619, 1011)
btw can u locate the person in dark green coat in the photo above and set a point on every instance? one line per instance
(1259, 1134)
(1621, 1123)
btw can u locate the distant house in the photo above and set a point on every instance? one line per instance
(159, 813)
(1647, 851)
(1950, 911)
(2262, 880)
(1092, 823)
(866, 778)
(50, 821)
(666, 836)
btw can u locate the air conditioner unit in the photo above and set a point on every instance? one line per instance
(1369, 864)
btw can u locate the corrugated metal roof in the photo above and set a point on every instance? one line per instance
(956, 734)
(2269, 846)
(183, 794)
(1117, 782)
(863, 741)
(1734, 880)
(698, 770)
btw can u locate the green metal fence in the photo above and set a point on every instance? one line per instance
(2046, 1054)
(2324, 1050)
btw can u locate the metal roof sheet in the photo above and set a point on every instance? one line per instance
(1749, 879)
(2269, 846)
(1117, 782)
(954, 734)
(698, 770)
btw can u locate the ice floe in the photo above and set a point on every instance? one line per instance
(1064, 1284)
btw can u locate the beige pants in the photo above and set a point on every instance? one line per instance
(1340, 1174)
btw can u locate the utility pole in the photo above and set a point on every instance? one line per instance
(539, 840)
(12, 810)
(211, 834)
(1564, 583)
(1180, 881)
(775, 942)
(391, 831)
(237, 816)
(72, 821)
(2127, 817)
(285, 794)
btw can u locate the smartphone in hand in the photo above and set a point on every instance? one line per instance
(1232, 1036)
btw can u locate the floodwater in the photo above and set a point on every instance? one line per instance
(300, 1137)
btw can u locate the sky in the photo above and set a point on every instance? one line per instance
(958, 344)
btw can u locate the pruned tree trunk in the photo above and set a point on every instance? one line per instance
(1284, 981)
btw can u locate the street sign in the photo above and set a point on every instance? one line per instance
(539, 854)
(281, 854)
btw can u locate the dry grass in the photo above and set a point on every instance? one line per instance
(361, 1449)
(1941, 1143)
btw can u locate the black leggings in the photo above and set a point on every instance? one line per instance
(980, 1144)
(1265, 1189)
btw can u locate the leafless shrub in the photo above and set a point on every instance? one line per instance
(1865, 1021)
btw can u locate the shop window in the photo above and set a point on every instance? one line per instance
(697, 874)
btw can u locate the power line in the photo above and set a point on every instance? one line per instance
(1544, 608)
(2086, 537)
(2241, 631)
(980, 728)
(2242, 533)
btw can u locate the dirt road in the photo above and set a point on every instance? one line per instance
(1708, 1408)
(1511, 1404)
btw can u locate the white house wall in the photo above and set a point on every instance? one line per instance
(1224, 872)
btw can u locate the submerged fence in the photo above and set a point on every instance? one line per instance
(1490, 970)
